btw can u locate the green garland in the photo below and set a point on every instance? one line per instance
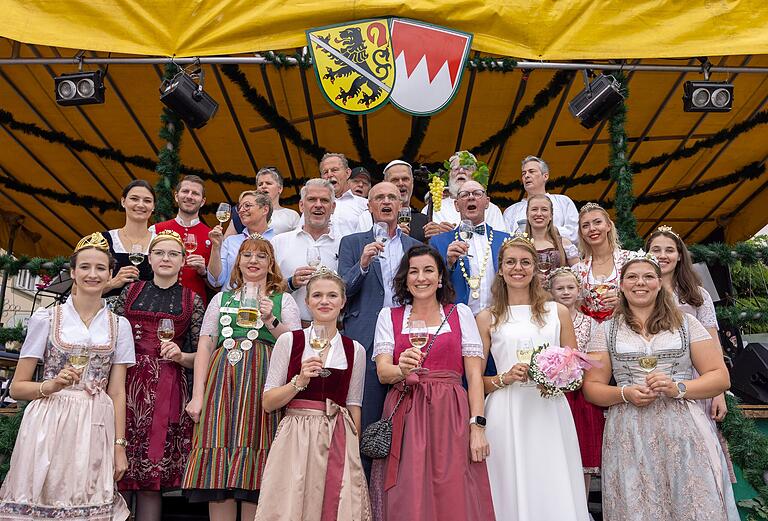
(747, 445)
(361, 146)
(169, 161)
(35, 265)
(719, 253)
(12, 334)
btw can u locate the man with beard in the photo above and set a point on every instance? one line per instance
(316, 237)
(448, 217)
(190, 197)
(400, 174)
(368, 268)
(564, 214)
(334, 168)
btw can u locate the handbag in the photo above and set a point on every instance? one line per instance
(376, 440)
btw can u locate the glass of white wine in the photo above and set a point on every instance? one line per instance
(223, 212)
(648, 363)
(381, 233)
(319, 342)
(249, 313)
(165, 332)
(190, 243)
(525, 352)
(404, 216)
(466, 231)
(418, 335)
(137, 254)
(78, 358)
(313, 257)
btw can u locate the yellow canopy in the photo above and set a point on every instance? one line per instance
(541, 30)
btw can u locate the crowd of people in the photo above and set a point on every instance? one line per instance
(244, 364)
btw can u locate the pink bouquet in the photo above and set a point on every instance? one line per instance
(558, 369)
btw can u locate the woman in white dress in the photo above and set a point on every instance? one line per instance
(535, 466)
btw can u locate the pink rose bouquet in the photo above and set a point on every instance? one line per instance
(558, 370)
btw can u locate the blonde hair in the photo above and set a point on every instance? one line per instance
(537, 296)
(551, 232)
(613, 235)
(665, 315)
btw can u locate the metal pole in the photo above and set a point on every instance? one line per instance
(260, 60)
(15, 223)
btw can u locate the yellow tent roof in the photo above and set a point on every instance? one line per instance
(239, 140)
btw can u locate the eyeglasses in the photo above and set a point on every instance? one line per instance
(386, 197)
(477, 194)
(633, 278)
(524, 263)
(248, 255)
(247, 207)
(170, 254)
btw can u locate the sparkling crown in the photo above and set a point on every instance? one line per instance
(519, 237)
(668, 229)
(588, 207)
(642, 255)
(323, 270)
(257, 236)
(165, 235)
(94, 240)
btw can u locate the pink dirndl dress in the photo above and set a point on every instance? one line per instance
(428, 473)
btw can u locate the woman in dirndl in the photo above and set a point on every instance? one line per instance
(70, 448)
(436, 466)
(158, 430)
(314, 472)
(233, 434)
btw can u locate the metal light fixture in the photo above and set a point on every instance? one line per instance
(597, 100)
(187, 99)
(80, 88)
(707, 96)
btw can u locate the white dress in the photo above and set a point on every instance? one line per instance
(535, 464)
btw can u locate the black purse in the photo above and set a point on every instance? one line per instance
(376, 440)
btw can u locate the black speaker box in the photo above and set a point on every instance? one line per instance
(749, 375)
(594, 104)
(185, 97)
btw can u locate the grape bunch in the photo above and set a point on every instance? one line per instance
(436, 187)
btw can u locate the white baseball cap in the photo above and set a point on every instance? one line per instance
(398, 162)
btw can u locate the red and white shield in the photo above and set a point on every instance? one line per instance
(429, 64)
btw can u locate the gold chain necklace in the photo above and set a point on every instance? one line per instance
(474, 281)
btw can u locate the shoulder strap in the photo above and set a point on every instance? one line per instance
(685, 335)
(613, 330)
(434, 337)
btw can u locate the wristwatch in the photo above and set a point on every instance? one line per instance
(477, 420)
(122, 442)
(681, 390)
(275, 322)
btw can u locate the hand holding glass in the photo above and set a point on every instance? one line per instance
(313, 257)
(319, 341)
(137, 254)
(223, 212)
(78, 358)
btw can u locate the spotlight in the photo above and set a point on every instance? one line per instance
(597, 100)
(188, 100)
(707, 96)
(80, 88)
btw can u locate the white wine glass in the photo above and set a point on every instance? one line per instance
(319, 342)
(466, 230)
(648, 363)
(404, 216)
(78, 358)
(418, 335)
(381, 233)
(525, 352)
(313, 257)
(190, 243)
(223, 212)
(137, 254)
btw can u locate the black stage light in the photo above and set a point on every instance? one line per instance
(188, 100)
(707, 96)
(80, 88)
(597, 100)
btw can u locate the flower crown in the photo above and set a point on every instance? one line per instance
(166, 235)
(258, 236)
(468, 160)
(668, 229)
(642, 255)
(325, 271)
(94, 240)
(588, 207)
(519, 237)
(564, 270)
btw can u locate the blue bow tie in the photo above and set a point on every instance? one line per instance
(480, 229)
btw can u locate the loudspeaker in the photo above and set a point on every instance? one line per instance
(597, 101)
(749, 375)
(188, 99)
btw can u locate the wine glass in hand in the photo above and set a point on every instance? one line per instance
(466, 231)
(137, 254)
(313, 257)
(223, 212)
(165, 331)
(190, 243)
(78, 358)
(418, 335)
(381, 233)
(319, 342)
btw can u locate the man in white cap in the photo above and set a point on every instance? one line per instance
(564, 213)
(400, 173)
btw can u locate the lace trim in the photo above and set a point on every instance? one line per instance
(383, 348)
(472, 350)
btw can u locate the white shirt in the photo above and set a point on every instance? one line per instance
(291, 253)
(478, 245)
(284, 220)
(75, 332)
(345, 217)
(449, 213)
(390, 260)
(564, 215)
(277, 376)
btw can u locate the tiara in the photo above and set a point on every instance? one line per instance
(564, 270)
(643, 256)
(166, 235)
(519, 237)
(94, 240)
(257, 236)
(588, 207)
(322, 271)
(668, 229)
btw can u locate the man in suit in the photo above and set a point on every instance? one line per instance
(368, 268)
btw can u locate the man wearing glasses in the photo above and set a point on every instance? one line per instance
(255, 210)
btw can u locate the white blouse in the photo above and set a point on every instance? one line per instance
(627, 341)
(277, 376)
(74, 331)
(289, 315)
(471, 344)
(705, 313)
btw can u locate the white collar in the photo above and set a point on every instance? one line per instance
(194, 222)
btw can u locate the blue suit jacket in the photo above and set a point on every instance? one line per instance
(440, 243)
(365, 298)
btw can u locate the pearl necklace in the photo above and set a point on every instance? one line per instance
(474, 281)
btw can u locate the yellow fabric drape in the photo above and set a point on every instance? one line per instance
(540, 30)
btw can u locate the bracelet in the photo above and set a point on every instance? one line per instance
(122, 442)
(622, 394)
(294, 383)
(42, 394)
(290, 284)
(501, 384)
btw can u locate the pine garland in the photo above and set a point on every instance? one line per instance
(12, 334)
(169, 161)
(719, 253)
(35, 265)
(358, 140)
(741, 317)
